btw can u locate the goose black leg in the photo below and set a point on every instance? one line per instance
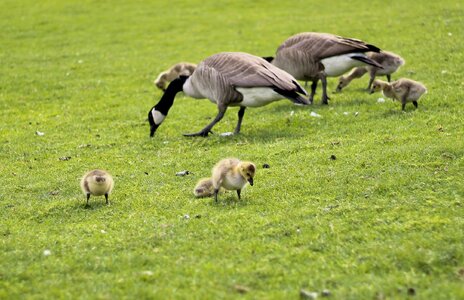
(325, 98)
(388, 77)
(106, 198)
(205, 131)
(313, 90)
(415, 103)
(241, 113)
(238, 194)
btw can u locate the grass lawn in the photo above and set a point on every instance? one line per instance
(384, 220)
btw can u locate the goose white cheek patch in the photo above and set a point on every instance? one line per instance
(157, 116)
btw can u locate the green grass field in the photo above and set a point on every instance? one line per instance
(382, 221)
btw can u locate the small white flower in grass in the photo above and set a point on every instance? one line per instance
(39, 133)
(450, 34)
(380, 100)
(47, 252)
(444, 71)
(292, 113)
(147, 273)
(186, 217)
(346, 113)
(103, 231)
(80, 61)
(314, 114)
(356, 114)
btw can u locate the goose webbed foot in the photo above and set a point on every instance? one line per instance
(202, 133)
(325, 100)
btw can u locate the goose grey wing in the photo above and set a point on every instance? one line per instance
(323, 45)
(246, 70)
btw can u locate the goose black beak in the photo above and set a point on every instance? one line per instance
(153, 128)
(250, 180)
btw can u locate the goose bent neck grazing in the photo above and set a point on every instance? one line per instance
(230, 79)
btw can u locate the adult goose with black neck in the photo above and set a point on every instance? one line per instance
(313, 56)
(230, 79)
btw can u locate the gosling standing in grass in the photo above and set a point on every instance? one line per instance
(404, 90)
(230, 174)
(97, 183)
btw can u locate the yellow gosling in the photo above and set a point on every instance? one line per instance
(97, 183)
(403, 90)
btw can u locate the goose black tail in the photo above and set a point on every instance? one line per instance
(293, 96)
(367, 60)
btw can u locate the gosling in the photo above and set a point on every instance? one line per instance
(232, 174)
(390, 62)
(404, 90)
(97, 183)
(204, 188)
(183, 68)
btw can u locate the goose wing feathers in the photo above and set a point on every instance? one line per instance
(323, 45)
(221, 73)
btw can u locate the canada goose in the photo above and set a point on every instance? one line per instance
(230, 79)
(404, 90)
(313, 56)
(97, 183)
(183, 68)
(232, 174)
(390, 62)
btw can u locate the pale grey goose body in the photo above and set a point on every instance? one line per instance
(313, 56)
(230, 79)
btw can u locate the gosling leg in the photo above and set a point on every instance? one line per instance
(88, 197)
(415, 103)
(216, 191)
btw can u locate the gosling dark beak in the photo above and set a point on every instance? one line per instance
(250, 181)
(371, 91)
(338, 89)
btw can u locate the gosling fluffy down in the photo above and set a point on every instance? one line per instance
(403, 90)
(204, 188)
(97, 183)
(232, 174)
(180, 69)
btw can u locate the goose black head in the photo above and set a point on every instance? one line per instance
(158, 113)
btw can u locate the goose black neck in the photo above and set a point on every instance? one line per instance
(167, 99)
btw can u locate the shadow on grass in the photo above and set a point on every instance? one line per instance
(225, 201)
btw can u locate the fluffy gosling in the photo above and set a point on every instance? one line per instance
(390, 62)
(183, 68)
(204, 188)
(404, 90)
(97, 183)
(232, 174)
